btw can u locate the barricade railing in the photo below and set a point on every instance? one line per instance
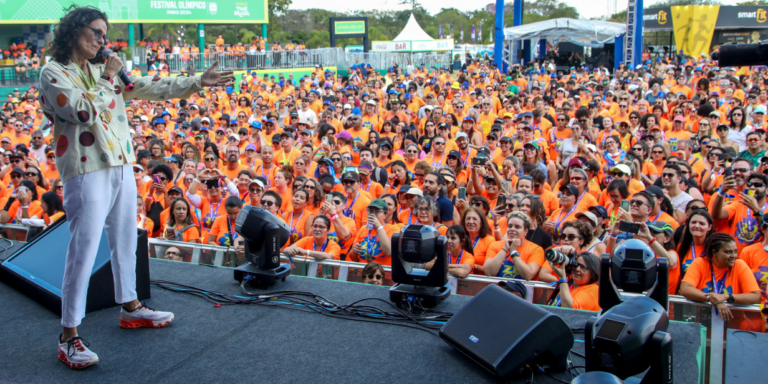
(325, 57)
(747, 317)
(680, 308)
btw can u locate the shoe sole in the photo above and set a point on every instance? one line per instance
(131, 324)
(63, 358)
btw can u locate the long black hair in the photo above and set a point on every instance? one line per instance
(687, 241)
(53, 202)
(67, 31)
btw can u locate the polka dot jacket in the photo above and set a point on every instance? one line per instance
(90, 128)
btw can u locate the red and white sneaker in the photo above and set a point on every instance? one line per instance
(144, 316)
(75, 353)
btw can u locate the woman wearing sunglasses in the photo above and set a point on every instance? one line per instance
(34, 175)
(318, 244)
(373, 273)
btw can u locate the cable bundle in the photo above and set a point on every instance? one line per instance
(417, 317)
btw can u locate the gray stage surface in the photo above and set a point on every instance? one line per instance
(259, 344)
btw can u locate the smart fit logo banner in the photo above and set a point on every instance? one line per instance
(760, 15)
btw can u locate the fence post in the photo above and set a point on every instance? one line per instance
(717, 337)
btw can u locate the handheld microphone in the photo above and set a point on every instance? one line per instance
(123, 76)
(737, 55)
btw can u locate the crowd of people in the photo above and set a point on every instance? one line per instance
(505, 165)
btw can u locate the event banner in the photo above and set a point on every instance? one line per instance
(140, 11)
(693, 28)
(743, 17)
(412, 46)
(657, 18)
(739, 36)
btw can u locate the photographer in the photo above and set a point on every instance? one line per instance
(574, 238)
(582, 290)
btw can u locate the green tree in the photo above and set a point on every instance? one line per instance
(753, 2)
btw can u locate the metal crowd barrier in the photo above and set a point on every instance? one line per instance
(680, 309)
(325, 57)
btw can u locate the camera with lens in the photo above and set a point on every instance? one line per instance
(558, 258)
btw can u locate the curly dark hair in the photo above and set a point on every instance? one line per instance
(65, 33)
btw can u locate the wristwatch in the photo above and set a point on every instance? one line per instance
(105, 77)
(731, 299)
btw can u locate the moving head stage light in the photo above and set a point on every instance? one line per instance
(419, 244)
(264, 236)
(630, 337)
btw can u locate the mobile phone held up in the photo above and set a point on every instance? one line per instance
(628, 227)
(625, 205)
(462, 193)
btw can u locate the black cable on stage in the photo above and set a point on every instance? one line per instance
(2, 251)
(427, 320)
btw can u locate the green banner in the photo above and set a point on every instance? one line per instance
(140, 11)
(349, 27)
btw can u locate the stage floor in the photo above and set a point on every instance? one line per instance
(254, 343)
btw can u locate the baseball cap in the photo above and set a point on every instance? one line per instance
(572, 189)
(661, 227)
(460, 135)
(454, 153)
(589, 215)
(576, 161)
(414, 191)
(655, 191)
(343, 135)
(599, 211)
(623, 168)
(350, 175)
(378, 204)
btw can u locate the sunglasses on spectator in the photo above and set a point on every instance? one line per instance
(255, 190)
(569, 237)
(740, 170)
(267, 203)
(753, 140)
(636, 202)
(476, 204)
(374, 277)
(657, 152)
(31, 174)
(669, 175)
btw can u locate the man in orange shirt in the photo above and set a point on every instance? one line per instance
(742, 215)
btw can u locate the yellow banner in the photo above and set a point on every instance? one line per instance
(693, 27)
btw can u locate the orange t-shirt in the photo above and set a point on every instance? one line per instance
(585, 297)
(308, 243)
(463, 257)
(481, 251)
(372, 250)
(297, 224)
(529, 252)
(220, 231)
(738, 279)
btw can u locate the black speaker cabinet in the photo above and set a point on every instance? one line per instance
(37, 269)
(503, 333)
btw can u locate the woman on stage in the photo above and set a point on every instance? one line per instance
(94, 156)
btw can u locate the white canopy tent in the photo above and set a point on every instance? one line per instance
(413, 32)
(590, 33)
(412, 39)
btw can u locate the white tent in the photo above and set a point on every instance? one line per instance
(412, 39)
(592, 33)
(413, 32)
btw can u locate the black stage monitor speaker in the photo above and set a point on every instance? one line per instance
(37, 269)
(503, 333)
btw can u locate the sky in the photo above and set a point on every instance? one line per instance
(586, 8)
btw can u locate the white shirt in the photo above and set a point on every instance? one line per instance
(309, 115)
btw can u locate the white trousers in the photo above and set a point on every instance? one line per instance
(104, 199)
